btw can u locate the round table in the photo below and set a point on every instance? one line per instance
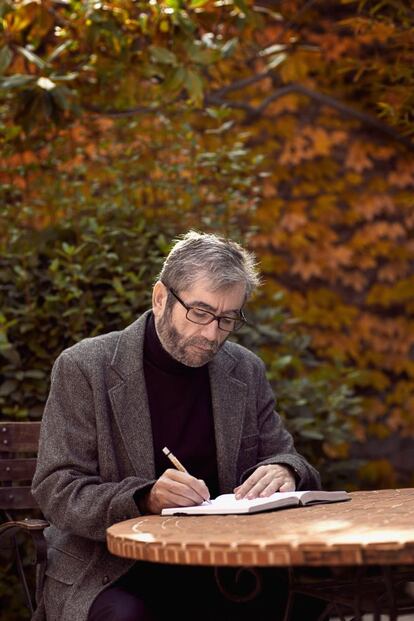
(373, 528)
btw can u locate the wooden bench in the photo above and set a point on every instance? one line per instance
(18, 450)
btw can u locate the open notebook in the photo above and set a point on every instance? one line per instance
(227, 503)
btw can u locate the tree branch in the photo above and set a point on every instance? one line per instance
(239, 84)
(254, 112)
(113, 113)
(217, 98)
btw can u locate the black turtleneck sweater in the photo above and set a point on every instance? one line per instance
(181, 412)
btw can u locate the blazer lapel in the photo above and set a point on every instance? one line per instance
(130, 405)
(129, 399)
(229, 403)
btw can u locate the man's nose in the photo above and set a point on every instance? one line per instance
(210, 330)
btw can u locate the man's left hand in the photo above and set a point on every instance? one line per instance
(266, 480)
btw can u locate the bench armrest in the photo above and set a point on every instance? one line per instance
(32, 527)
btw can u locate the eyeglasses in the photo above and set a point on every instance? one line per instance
(203, 317)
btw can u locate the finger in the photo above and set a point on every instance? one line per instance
(199, 487)
(175, 475)
(253, 485)
(242, 490)
(260, 486)
(282, 482)
(278, 477)
(274, 486)
(288, 486)
(177, 495)
(184, 485)
(205, 492)
(187, 479)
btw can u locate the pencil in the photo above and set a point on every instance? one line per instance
(173, 459)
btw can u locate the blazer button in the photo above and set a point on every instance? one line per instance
(105, 580)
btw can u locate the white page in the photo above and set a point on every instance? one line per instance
(227, 503)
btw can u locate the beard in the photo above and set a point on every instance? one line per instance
(194, 351)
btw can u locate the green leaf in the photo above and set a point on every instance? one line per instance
(61, 96)
(7, 387)
(69, 249)
(312, 434)
(6, 57)
(242, 5)
(184, 21)
(219, 130)
(4, 9)
(218, 113)
(118, 286)
(54, 265)
(273, 49)
(33, 58)
(59, 50)
(143, 22)
(276, 60)
(175, 79)
(195, 4)
(194, 86)
(35, 374)
(229, 47)
(201, 55)
(276, 16)
(10, 353)
(68, 77)
(162, 55)
(17, 80)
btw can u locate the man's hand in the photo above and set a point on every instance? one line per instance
(266, 480)
(174, 489)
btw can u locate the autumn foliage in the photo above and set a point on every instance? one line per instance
(289, 124)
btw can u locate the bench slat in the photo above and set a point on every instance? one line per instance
(17, 469)
(19, 437)
(12, 498)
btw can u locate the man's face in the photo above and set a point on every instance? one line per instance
(192, 344)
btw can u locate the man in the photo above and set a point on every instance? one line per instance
(169, 379)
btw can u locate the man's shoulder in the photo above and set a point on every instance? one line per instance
(93, 344)
(241, 354)
(102, 346)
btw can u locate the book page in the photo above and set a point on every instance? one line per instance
(228, 501)
(315, 496)
(227, 504)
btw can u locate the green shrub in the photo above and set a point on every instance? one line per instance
(64, 283)
(94, 274)
(314, 398)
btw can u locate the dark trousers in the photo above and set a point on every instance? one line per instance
(151, 592)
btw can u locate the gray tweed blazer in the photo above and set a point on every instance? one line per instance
(96, 451)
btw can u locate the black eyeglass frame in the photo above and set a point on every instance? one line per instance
(239, 321)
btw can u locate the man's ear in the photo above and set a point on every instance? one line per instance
(159, 298)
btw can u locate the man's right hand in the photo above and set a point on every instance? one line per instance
(174, 489)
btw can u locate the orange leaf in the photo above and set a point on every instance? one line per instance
(403, 176)
(357, 158)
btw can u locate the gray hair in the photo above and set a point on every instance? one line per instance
(197, 255)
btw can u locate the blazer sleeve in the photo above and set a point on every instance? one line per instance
(67, 484)
(276, 444)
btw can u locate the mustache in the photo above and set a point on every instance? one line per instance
(210, 346)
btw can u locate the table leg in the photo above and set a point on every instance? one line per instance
(229, 580)
(356, 591)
